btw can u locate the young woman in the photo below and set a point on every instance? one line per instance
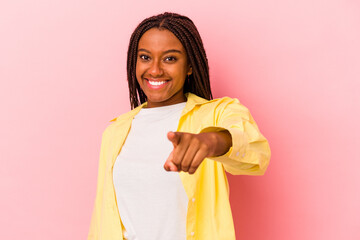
(162, 165)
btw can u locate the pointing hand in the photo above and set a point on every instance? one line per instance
(191, 149)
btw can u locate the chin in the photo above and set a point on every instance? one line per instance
(157, 99)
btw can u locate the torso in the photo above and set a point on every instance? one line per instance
(152, 202)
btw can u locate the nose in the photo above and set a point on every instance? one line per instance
(155, 69)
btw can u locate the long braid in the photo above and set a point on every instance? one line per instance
(185, 30)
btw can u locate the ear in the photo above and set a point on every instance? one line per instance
(189, 71)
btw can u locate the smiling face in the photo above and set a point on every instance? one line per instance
(161, 67)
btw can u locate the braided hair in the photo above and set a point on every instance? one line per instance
(185, 30)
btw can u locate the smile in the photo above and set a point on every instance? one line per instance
(156, 84)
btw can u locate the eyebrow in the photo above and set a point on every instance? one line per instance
(167, 51)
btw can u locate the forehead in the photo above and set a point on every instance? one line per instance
(159, 40)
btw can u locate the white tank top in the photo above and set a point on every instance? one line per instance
(152, 202)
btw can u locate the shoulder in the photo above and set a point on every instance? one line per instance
(128, 115)
(224, 106)
(119, 123)
(219, 103)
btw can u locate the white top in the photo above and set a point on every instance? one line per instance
(152, 202)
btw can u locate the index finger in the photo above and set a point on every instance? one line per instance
(174, 137)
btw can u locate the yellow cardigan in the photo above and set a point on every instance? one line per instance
(209, 214)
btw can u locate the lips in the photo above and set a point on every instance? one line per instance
(156, 84)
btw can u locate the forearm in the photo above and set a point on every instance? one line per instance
(221, 142)
(246, 157)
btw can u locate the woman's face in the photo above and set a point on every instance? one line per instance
(161, 67)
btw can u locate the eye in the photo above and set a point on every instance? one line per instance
(144, 57)
(170, 59)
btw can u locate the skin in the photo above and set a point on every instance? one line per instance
(191, 149)
(162, 57)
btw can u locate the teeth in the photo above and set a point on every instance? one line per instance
(156, 83)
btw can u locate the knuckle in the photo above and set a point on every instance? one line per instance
(192, 169)
(185, 166)
(195, 141)
(187, 137)
(204, 147)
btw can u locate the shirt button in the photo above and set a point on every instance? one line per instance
(243, 155)
(192, 233)
(237, 154)
(193, 199)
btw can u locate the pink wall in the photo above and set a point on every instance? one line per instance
(295, 64)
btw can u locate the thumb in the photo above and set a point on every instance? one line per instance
(169, 165)
(174, 137)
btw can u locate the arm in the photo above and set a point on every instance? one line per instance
(95, 218)
(234, 140)
(250, 151)
(191, 149)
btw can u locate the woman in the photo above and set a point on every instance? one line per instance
(162, 165)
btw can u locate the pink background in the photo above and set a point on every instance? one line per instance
(294, 64)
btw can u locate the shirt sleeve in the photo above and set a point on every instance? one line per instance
(250, 151)
(94, 231)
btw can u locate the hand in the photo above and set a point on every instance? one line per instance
(191, 149)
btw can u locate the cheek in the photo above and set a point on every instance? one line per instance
(138, 71)
(179, 73)
(177, 70)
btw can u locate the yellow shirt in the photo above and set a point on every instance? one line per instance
(209, 214)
